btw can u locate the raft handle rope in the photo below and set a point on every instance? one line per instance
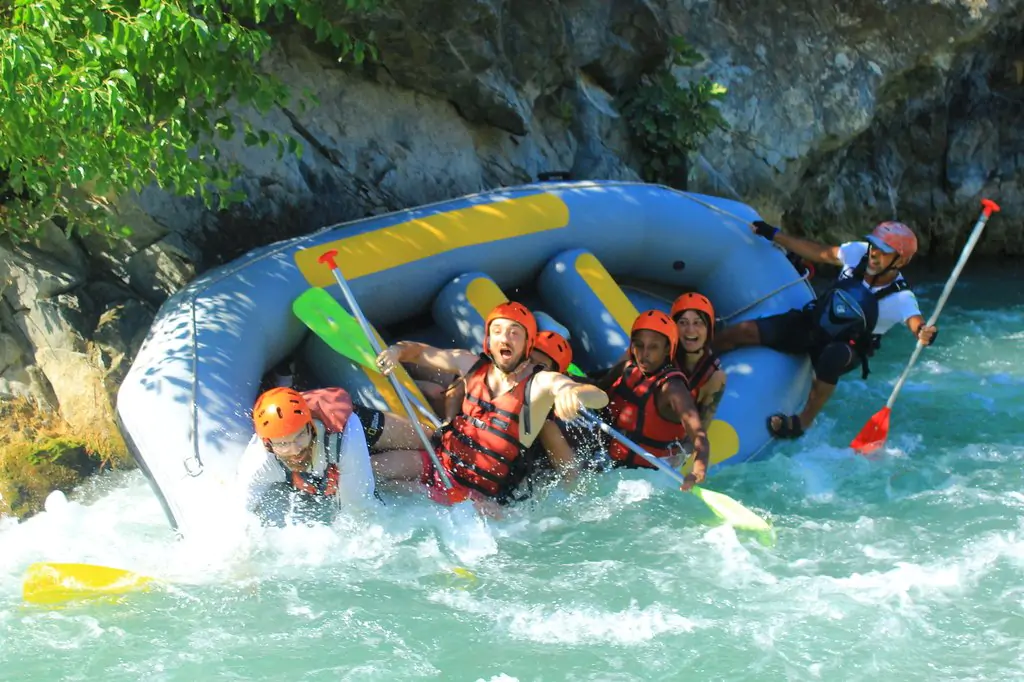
(764, 298)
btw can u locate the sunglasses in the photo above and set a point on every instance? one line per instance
(295, 442)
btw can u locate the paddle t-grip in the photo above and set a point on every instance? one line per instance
(988, 207)
(328, 258)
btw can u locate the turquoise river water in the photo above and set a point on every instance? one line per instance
(908, 567)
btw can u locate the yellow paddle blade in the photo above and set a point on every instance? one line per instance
(53, 583)
(734, 513)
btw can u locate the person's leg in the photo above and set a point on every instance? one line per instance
(788, 332)
(398, 465)
(833, 361)
(387, 430)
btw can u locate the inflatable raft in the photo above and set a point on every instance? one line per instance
(586, 256)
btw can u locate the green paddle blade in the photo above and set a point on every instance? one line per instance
(575, 371)
(732, 512)
(327, 319)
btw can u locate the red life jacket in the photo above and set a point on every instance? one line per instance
(702, 371)
(635, 413)
(311, 484)
(332, 407)
(481, 446)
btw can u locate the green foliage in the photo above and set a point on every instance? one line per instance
(669, 120)
(100, 97)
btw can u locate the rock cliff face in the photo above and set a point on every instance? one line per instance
(839, 117)
(844, 115)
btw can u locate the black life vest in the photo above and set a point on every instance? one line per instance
(848, 312)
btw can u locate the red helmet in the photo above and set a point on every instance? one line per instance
(657, 321)
(516, 312)
(280, 412)
(894, 237)
(555, 347)
(694, 301)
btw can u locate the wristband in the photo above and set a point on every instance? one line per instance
(765, 230)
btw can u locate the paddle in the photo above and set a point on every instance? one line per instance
(338, 329)
(876, 430)
(723, 506)
(454, 495)
(575, 371)
(327, 319)
(53, 583)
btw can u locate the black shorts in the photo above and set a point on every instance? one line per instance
(789, 332)
(372, 421)
(794, 332)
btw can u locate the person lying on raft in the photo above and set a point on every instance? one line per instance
(651, 403)
(695, 319)
(485, 449)
(309, 443)
(843, 326)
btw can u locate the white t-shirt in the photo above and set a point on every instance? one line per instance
(894, 309)
(258, 469)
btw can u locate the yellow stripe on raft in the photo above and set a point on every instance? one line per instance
(723, 441)
(484, 295)
(397, 245)
(607, 291)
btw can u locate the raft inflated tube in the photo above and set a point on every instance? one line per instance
(185, 406)
(546, 323)
(461, 308)
(578, 289)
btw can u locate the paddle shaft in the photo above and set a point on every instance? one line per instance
(989, 208)
(328, 259)
(654, 461)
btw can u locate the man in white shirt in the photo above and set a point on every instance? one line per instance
(840, 330)
(309, 443)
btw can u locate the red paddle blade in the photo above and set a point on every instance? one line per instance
(873, 435)
(448, 497)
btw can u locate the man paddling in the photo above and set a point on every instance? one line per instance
(508, 399)
(843, 327)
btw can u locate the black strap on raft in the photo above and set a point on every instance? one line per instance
(868, 343)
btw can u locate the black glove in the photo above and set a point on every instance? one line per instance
(765, 230)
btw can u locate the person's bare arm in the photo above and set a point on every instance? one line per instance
(920, 330)
(449, 360)
(811, 250)
(568, 396)
(711, 398)
(453, 397)
(562, 455)
(675, 399)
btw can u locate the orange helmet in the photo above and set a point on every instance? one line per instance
(555, 347)
(894, 237)
(694, 301)
(280, 412)
(517, 312)
(657, 321)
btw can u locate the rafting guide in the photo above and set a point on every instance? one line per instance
(843, 327)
